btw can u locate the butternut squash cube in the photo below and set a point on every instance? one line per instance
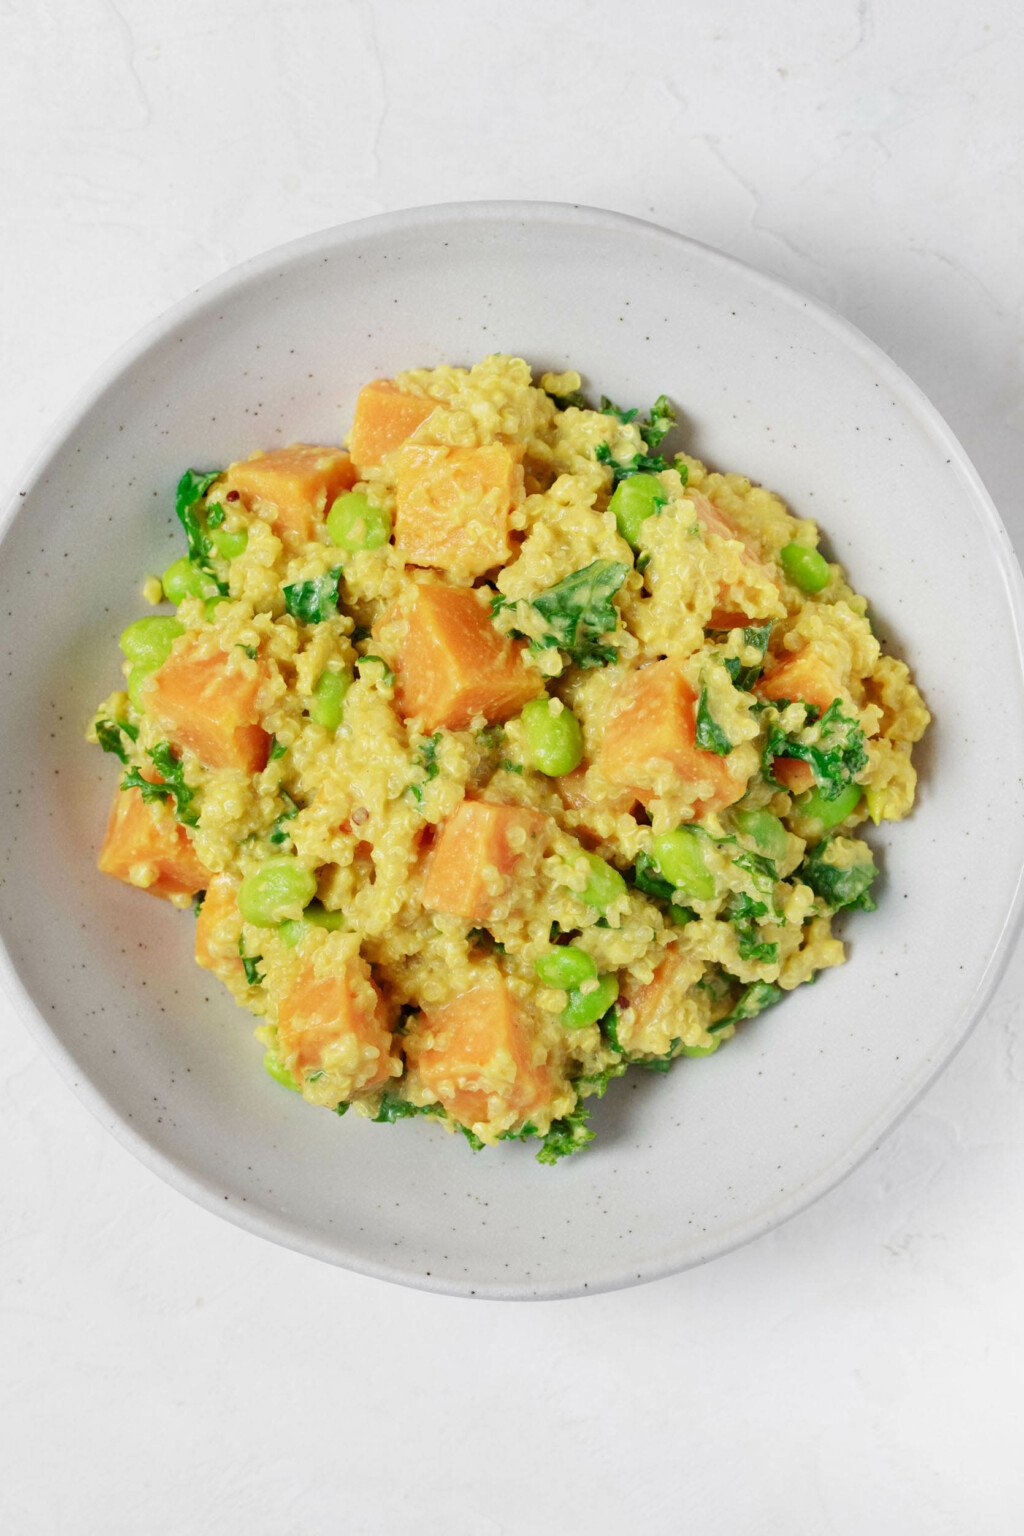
(292, 488)
(336, 1023)
(208, 702)
(452, 507)
(480, 849)
(218, 929)
(146, 847)
(384, 417)
(452, 664)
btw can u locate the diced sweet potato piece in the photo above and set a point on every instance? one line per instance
(292, 488)
(219, 927)
(648, 999)
(657, 725)
(336, 1023)
(480, 848)
(714, 521)
(585, 812)
(208, 703)
(474, 1054)
(384, 418)
(452, 507)
(453, 665)
(147, 848)
(806, 677)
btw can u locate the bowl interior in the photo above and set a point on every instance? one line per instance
(768, 384)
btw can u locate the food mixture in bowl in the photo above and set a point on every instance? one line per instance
(501, 751)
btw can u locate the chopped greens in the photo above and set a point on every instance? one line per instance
(392, 1108)
(638, 464)
(279, 831)
(578, 612)
(709, 734)
(188, 499)
(278, 749)
(838, 886)
(743, 912)
(646, 879)
(387, 675)
(752, 1001)
(743, 677)
(576, 398)
(173, 786)
(109, 733)
(249, 964)
(659, 423)
(835, 754)
(568, 1135)
(315, 600)
(608, 409)
(426, 754)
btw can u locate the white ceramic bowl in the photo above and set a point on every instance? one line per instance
(687, 1165)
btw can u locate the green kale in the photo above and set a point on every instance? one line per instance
(575, 397)
(342, 1108)
(173, 786)
(188, 500)
(387, 675)
(743, 912)
(249, 964)
(197, 902)
(763, 871)
(215, 517)
(835, 756)
(838, 888)
(277, 750)
(683, 471)
(474, 1140)
(392, 1108)
(753, 1000)
(608, 409)
(598, 1082)
(661, 419)
(744, 678)
(578, 612)
(315, 600)
(426, 754)
(279, 831)
(568, 1135)
(638, 464)
(109, 733)
(610, 1032)
(645, 878)
(709, 735)
(252, 651)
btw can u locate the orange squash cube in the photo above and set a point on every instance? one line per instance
(452, 664)
(480, 848)
(584, 811)
(452, 507)
(384, 418)
(648, 1000)
(208, 703)
(146, 847)
(657, 725)
(292, 488)
(474, 1054)
(218, 929)
(336, 1023)
(806, 677)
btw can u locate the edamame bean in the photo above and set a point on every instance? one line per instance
(280, 888)
(275, 1068)
(354, 524)
(329, 698)
(806, 568)
(183, 579)
(680, 860)
(228, 545)
(316, 916)
(827, 813)
(585, 1008)
(766, 830)
(565, 966)
(147, 643)
(138, 677)
(633, 502)
(604, 883)
(700, 1050)
(552, 739)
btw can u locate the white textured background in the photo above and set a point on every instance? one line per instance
(856, 1372)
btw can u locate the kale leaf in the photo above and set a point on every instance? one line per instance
(849, 887)
(660, 421)
(752, 1001)
(426, 754)
(646, 879)
(188, 499)
(277, 750)
(279, 831)
(835, 756)
(638, 464)
(387, 677)
(109, 732)
(391, 1109)
(609, 409)
(568, 1135)
(744, 678)
(743, 912)
(173, 787)
(709, 735)
(578, 612)
(249, 964)
(575, 397)
(315, 600)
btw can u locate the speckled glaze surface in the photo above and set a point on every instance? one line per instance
(685, 1166)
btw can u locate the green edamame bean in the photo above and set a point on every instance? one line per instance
(604, 883)
(552, 739)
(353, 523)
(633, 502)
(183, 579)
(138, 677)
(147, 643)
(329, 697)
(565, 966)
(316, 916)
(700, 1050)
(228, 545)
(827, 813)
(767, 831)
(280, 888)
(274, 1067)
(585, 1008)
(806, 568)
(680, 860)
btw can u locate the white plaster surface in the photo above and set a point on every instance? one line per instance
(857, 1371)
